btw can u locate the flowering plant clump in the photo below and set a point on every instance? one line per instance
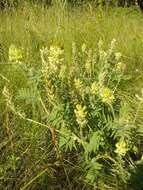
(81, 103)
(85, 95)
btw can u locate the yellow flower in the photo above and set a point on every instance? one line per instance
(107, 95)
(52, 59)
(78, 84)
(102, 77)
(121, 148)
(94, 88)
(15, 54)
(112, 47)
(88, 64)
(79, 87)
(56, 51)
(81, 114)
(120, 66)
(103, 56)
(118, 55)
(55, 55)
(100, 44)
(62, 71)
(83, 48)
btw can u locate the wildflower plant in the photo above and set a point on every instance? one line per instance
(82, 107)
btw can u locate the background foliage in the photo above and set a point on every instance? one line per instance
(15, 3)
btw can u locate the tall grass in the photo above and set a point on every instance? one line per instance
(27, 146)
(34, 26)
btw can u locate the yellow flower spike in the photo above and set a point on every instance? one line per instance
(56, 51)
(62, 71)
(102, 77)
(15, 54)
(83, 48)
(121, 148)
(78, 84)
(81, 89)
(103, 56)
(88, 64)
(100, 44)
(52, 59)
(81, 114)
(94, 88)
(107, 95)
(118, 55)
(113, 43)
(55, 55)
(112, 47)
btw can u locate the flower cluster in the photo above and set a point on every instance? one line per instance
(118, 56)
(104, 93)
(79, 86)
(83, 48)
(121, 148)
(107, 95)
(80, 113)
(103, 57)
(55, 55)
(52, 58)
(94, 88)
(112, 47)
(15, 54)
(88, 64)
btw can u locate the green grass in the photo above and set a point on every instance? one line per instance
(27, 146)
(34, 27)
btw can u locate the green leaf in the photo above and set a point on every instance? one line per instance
(29, 95)
(66, 140)
(94, 143)
(94, 171)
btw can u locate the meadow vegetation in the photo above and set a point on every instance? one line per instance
(71, 104)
